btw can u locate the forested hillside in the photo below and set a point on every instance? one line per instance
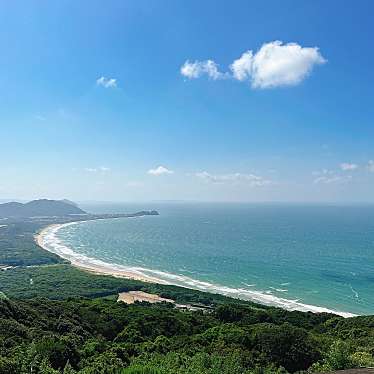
(41, 207)
(103, 336)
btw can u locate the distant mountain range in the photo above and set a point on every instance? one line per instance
(37, 208)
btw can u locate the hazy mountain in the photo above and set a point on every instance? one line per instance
(69, 202)
(42, 207)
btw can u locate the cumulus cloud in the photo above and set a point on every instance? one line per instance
(160, 170)
(242, 67)
(193, 70)
(250, 179)
(275, 64)
(346, 166)
(107, 82)
(371, 166)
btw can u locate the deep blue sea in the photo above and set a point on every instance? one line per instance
(294, 256)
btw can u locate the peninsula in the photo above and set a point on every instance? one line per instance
(44, 208)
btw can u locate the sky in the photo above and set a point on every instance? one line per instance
(187, 100)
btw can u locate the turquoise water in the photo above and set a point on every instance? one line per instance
(315, 255)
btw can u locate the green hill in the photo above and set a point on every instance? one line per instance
(41, 207)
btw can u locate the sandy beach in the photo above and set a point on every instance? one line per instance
(99, 267)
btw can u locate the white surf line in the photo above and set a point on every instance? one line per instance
(48, 240)
(241, 293)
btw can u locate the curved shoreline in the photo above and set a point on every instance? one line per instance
(47, 240)
(86, 263)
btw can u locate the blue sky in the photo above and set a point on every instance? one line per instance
(153, 100)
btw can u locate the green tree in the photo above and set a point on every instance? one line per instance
(339, 356)
(8, 366)
(287, 346)
(138, 369)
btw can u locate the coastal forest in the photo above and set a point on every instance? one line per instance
(55, 318)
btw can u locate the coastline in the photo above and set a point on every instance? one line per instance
(99, 267)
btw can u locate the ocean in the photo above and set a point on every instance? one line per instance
(298, 257)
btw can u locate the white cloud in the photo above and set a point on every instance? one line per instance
(326, 176)
(242, 67)
(250, 179)
(102, 169)
(333, 179)
(346, 166)
(329, 176)
(160, 170)
(193, 70)
(371, 166)
(276, 64)
(107, 82)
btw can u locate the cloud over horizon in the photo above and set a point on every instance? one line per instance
(102, 169)
(346, 166)
(274, 65)
(250, 179)
(160, 170)
(330, 177)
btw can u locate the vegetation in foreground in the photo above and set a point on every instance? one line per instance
(103, 336)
